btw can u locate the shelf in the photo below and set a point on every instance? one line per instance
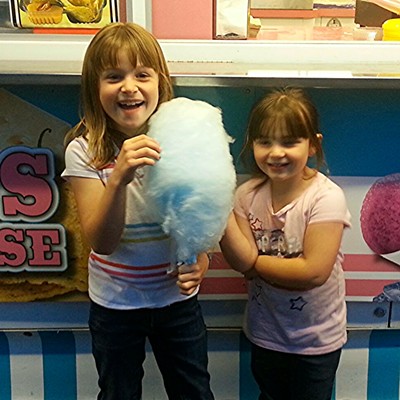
(218, 74)
(34, 59)
(303, 14)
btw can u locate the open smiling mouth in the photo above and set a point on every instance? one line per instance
(278, 165)
(130, 105)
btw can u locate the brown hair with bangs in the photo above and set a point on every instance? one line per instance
(102, 53)
(288, 113)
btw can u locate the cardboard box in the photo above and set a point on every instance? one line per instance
(370, 14)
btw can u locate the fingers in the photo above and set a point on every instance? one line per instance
(189, 278)
(140, 150)
(136, 152)
(189, 269)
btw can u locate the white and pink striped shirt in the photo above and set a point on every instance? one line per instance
(135, 275)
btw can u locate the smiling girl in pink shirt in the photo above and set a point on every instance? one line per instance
(285, 236)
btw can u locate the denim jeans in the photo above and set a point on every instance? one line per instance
(178, 338)
(286, 376)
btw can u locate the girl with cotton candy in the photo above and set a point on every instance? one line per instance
(285, 235)
(125, 79)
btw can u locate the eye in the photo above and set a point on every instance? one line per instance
(112, 76)
(290, 142)
(145, 73)
(142, 75)
(263, 142)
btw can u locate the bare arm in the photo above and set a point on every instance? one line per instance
(321, 245)
(102, 208)
(238, 245)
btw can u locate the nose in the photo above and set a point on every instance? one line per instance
(277, 151)
(129, 86)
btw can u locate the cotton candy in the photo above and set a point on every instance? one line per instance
(380, 215)
(190, 189)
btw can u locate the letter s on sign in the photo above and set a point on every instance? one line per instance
(27, 177)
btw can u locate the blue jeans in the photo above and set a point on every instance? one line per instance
(286, 376)
(178, 337)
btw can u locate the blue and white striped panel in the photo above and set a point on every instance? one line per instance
(86, 374)
(58, 365)
(47, 366)
(53, 365)
(26, 366)
(384, 365)
(369, 367)
(224, 363)
(5, 371)
(353, 368)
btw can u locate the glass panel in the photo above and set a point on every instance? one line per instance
(277, 20)
(271, 20)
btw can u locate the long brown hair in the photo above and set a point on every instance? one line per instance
(102, 53)
(289, 111)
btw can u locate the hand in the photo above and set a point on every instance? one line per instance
(136, 152)
(190, 276)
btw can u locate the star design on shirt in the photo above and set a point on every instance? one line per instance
(256, 225)
(298, 303)
(257, 293)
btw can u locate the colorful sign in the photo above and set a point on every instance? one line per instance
(42, 251)
(29, 197)
(43, 254)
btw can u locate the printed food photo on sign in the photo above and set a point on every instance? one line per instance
(380, 226)
(63, 13)
(43, 254)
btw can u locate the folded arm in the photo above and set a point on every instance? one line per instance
(320, 248)
(238, 245)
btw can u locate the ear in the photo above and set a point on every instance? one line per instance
(312, 149)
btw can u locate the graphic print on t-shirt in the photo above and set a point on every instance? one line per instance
(273, 242)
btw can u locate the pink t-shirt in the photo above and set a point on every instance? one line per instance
(303, 322)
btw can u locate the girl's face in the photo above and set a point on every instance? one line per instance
(282, 159)
(129, 95)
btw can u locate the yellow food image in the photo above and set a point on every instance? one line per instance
(81, 3)
(83, 10)
(43, 12)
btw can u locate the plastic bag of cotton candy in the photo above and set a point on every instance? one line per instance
(190, 189)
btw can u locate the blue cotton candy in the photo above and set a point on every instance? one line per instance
(190, 189)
